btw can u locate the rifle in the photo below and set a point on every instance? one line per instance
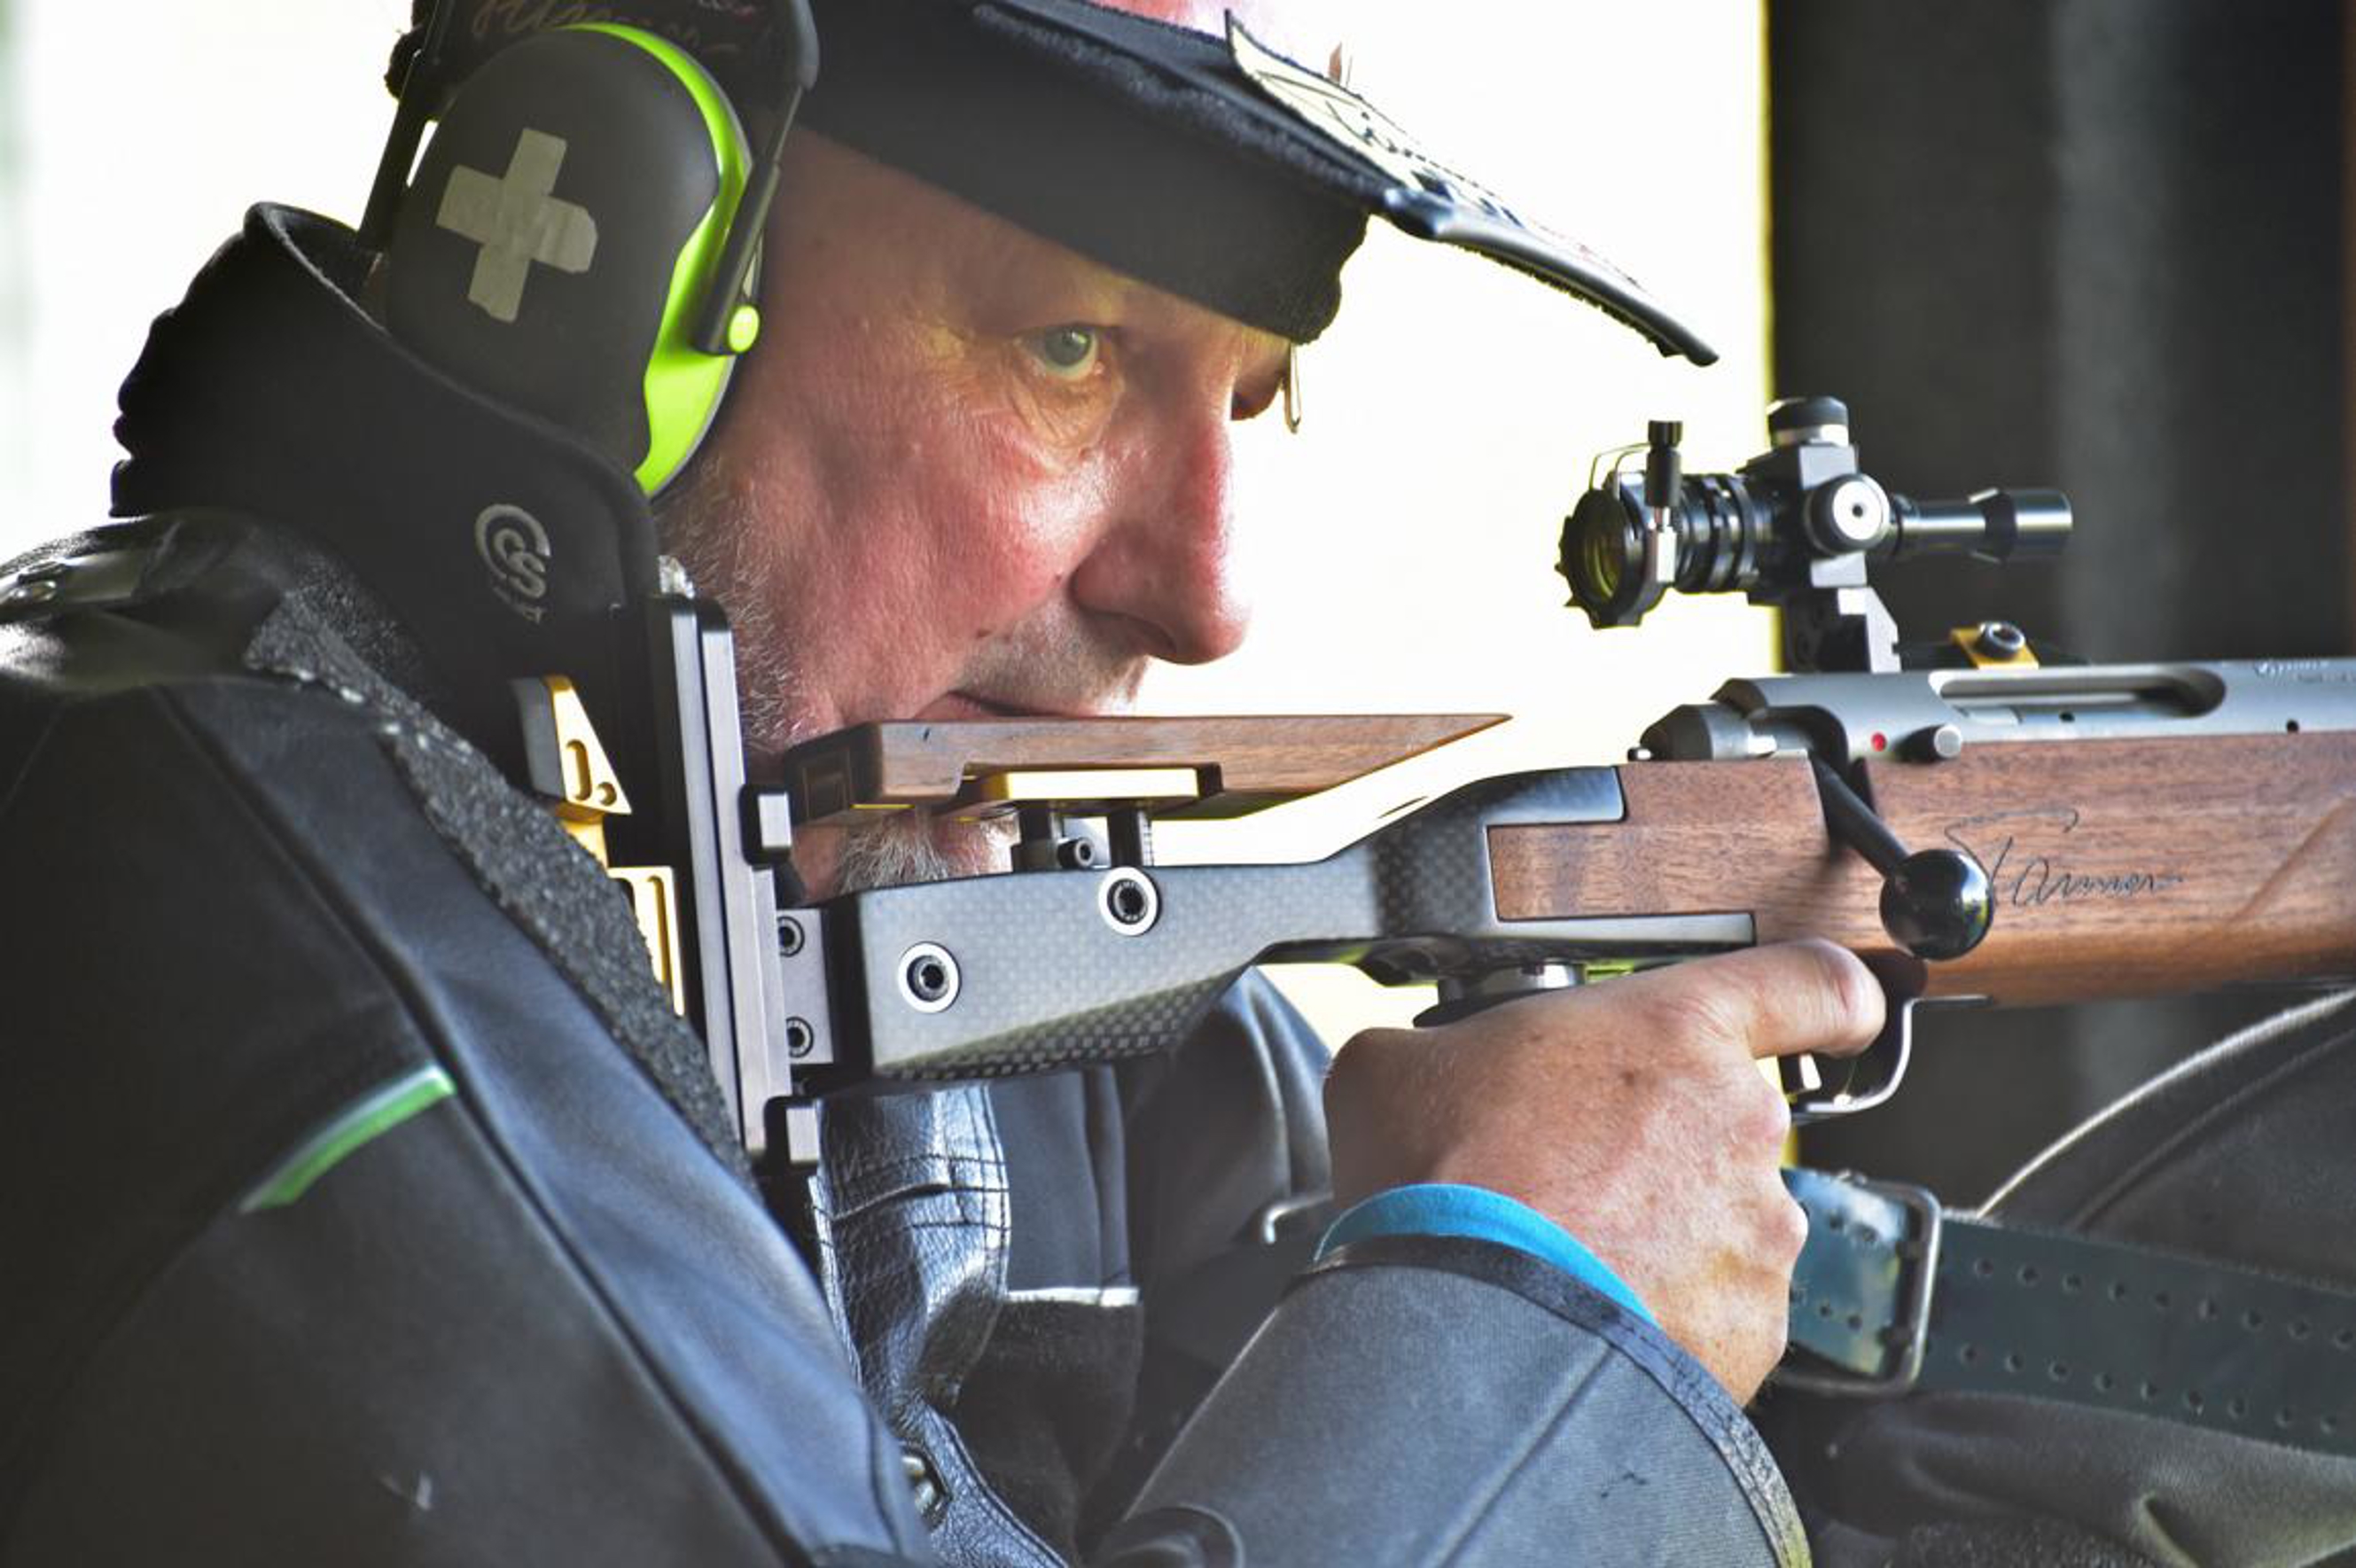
(1983, 821)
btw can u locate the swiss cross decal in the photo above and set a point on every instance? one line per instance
(519, 222)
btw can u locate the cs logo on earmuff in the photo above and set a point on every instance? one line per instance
(515, 547)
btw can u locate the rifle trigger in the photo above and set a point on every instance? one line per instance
(1865, 1080)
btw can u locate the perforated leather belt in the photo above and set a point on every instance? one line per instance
(1892, 1295)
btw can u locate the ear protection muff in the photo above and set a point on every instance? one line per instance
(562, 237)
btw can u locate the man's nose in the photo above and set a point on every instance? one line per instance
(1166, 564)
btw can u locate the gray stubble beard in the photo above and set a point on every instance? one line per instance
(713, 536)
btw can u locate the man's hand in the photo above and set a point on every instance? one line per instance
(1631, 1114)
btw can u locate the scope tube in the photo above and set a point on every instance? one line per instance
(1994, 525)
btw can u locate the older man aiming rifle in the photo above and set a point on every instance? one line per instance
(436, 1243)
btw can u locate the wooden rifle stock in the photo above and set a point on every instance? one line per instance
(2125, 867)
(2139, 830)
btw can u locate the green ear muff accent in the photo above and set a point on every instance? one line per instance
(683, 385)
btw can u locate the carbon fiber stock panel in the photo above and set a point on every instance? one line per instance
(1036, 972)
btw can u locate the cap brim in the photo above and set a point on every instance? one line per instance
(1424, 198)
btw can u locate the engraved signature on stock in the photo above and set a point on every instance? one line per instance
(2029, 869)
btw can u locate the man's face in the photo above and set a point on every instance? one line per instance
(966, 473)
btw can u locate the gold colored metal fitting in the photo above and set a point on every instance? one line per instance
(593, 791)
(1078, 788)
(654, 899)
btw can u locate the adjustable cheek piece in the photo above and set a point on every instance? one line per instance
(583, 237)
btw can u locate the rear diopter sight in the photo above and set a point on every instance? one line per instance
(1794, 527)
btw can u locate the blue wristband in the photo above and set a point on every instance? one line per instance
(1445, 1209)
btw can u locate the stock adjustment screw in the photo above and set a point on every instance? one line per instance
(2000, 640)
(1129, 902)
(928, 977)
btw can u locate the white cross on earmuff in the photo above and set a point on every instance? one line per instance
(518, 221)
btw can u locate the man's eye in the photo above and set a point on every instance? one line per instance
(1068, 352)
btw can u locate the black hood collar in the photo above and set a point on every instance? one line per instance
(502, 544)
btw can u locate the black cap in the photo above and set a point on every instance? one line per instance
(1211, 166)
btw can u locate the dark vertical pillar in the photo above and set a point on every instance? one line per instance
(2097, 244)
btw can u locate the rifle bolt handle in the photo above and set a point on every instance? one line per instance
(1937, 904)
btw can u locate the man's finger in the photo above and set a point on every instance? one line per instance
(1815, 996)
(1788, 998)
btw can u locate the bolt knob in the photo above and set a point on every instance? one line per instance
(1937, 904)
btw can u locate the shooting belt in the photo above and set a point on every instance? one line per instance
(1897, 1297)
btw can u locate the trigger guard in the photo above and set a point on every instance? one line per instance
(1851, 1084)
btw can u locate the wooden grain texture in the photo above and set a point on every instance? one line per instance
(1251, 762)
(2120, 867)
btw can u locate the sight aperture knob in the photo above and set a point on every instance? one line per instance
(1847, 514)
(1796, 420)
